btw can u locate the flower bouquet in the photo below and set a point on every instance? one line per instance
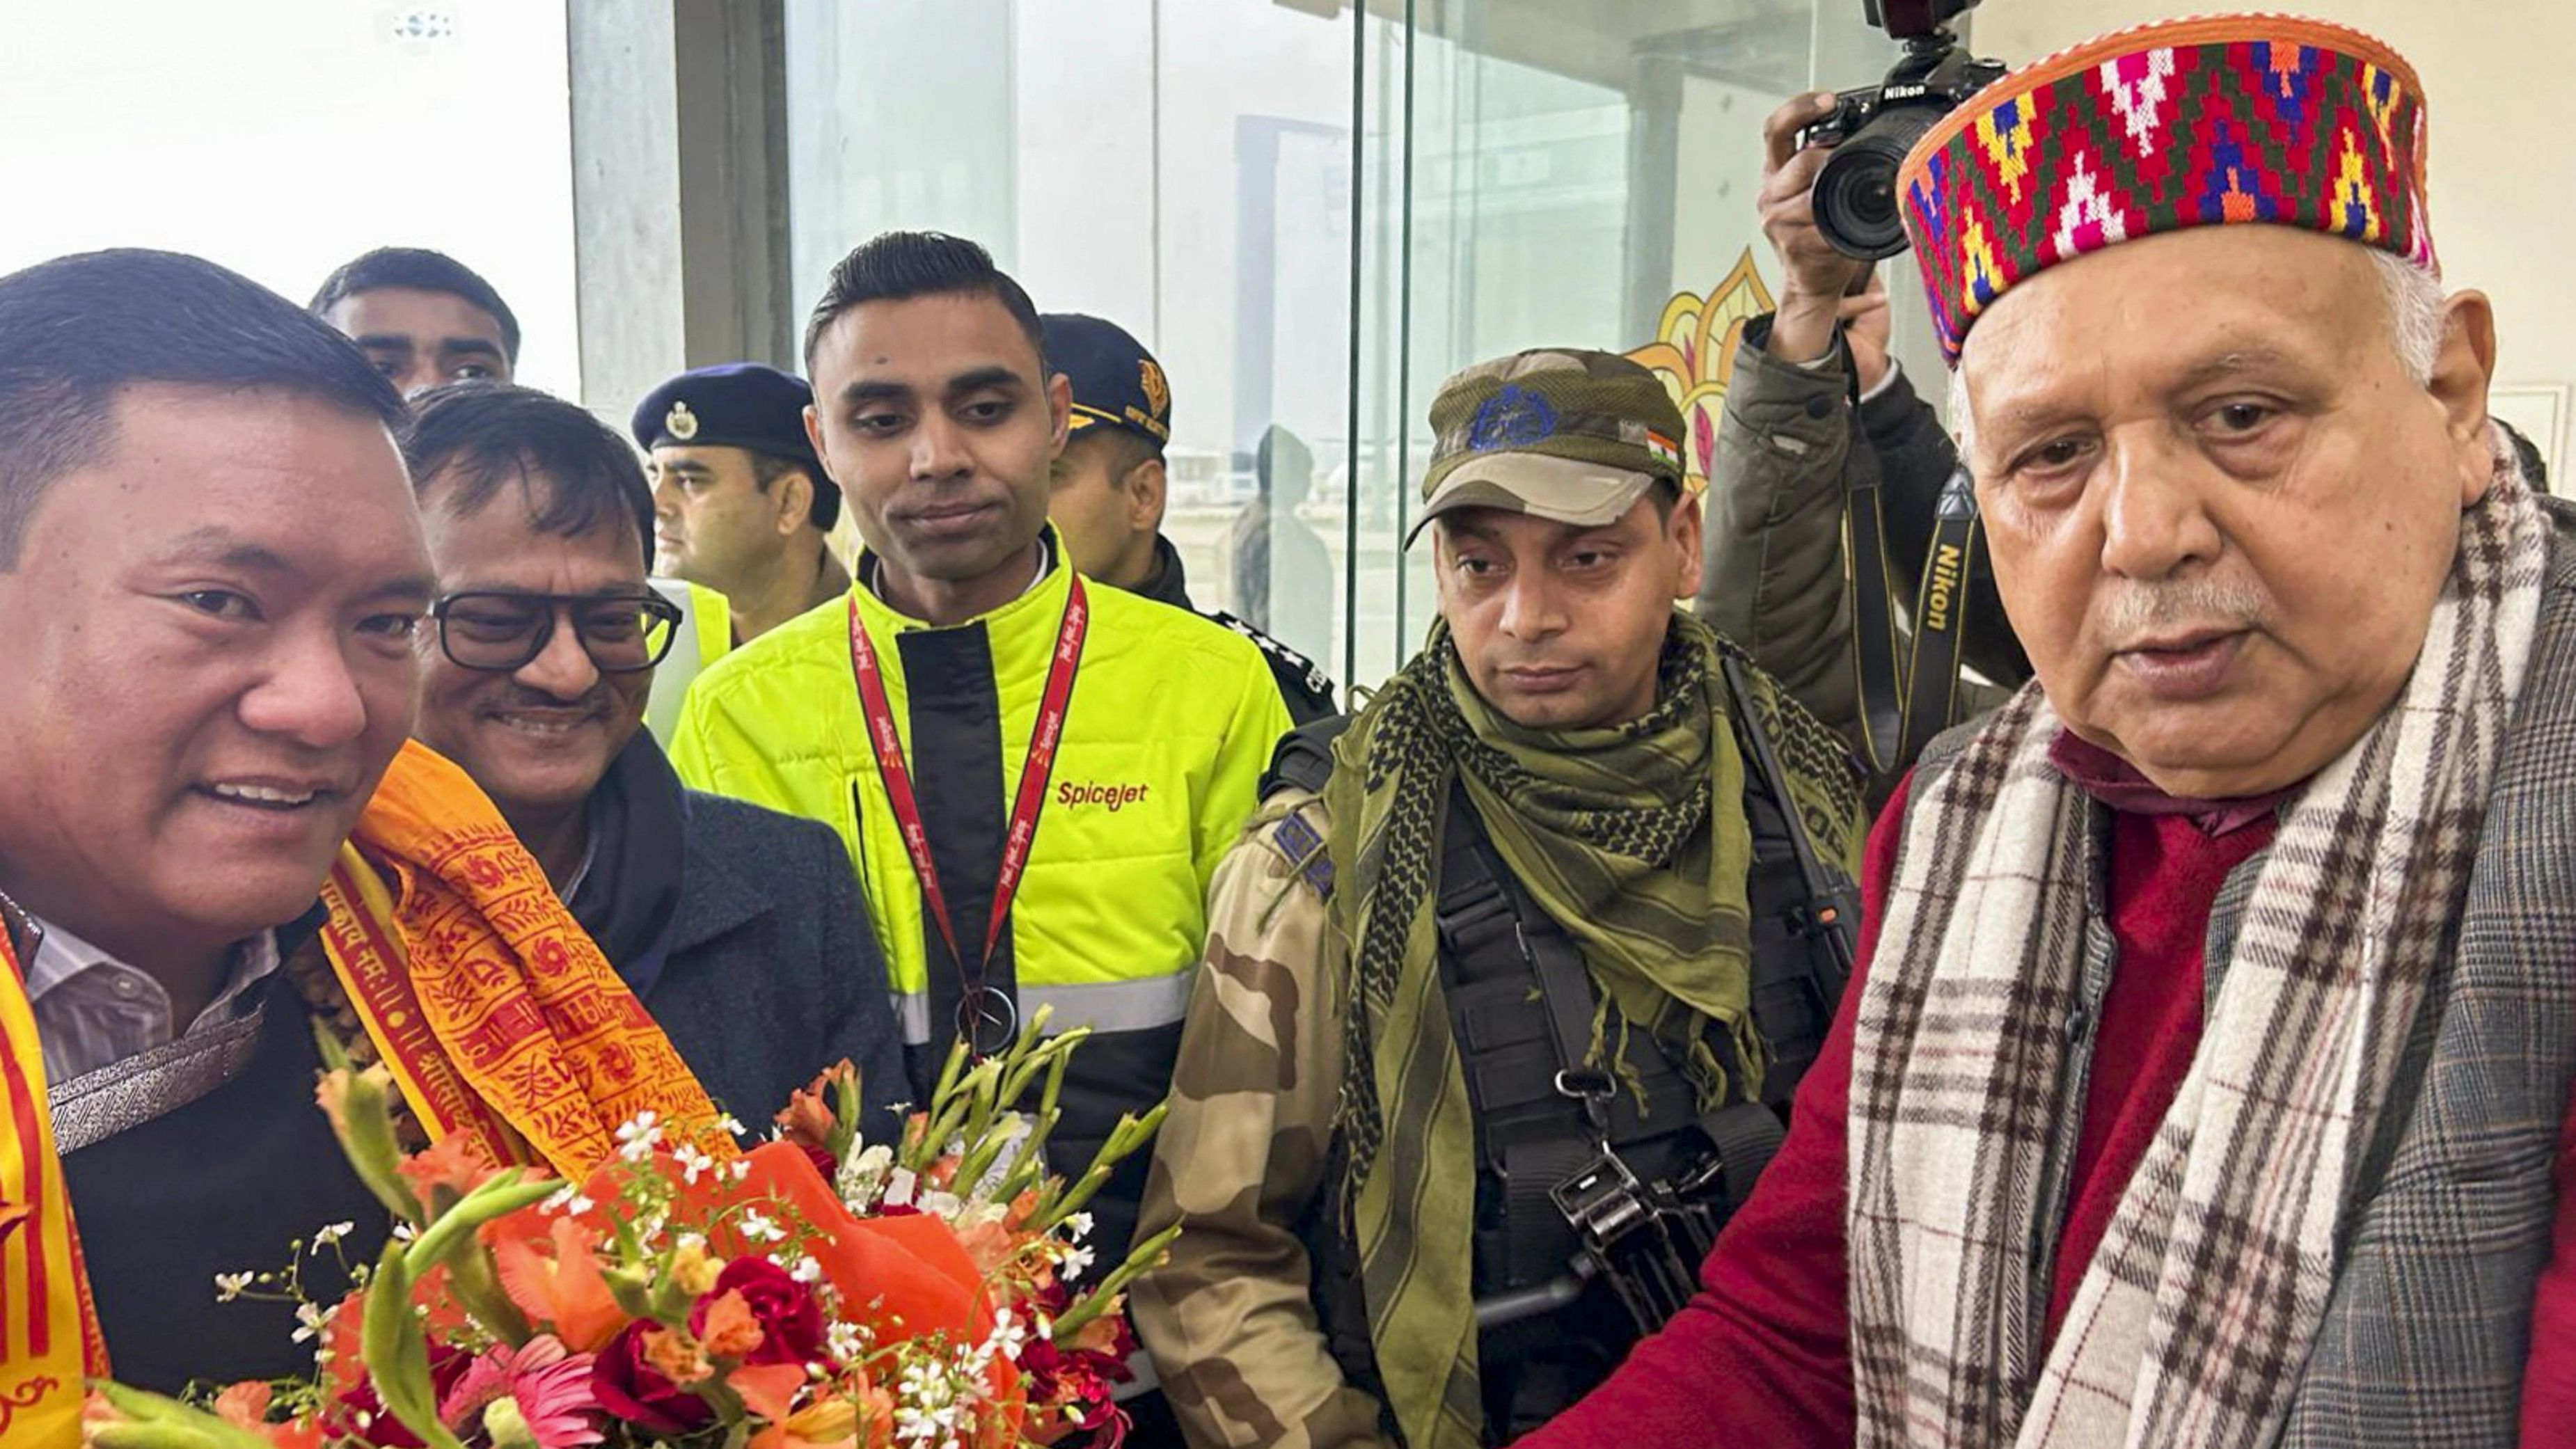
(816, 1292)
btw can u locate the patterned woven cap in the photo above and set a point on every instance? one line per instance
(2208, 122)
(1562, 432)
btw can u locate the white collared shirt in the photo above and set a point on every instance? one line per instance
(93, 1010)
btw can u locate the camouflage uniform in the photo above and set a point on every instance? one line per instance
(1266, 1125)
(1253, 1099)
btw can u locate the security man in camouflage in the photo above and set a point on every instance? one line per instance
(1508, 983)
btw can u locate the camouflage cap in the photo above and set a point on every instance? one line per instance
(1564, 433)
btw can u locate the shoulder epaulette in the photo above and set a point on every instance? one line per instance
(1293, 668)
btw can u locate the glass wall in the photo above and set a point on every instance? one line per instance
(1313, 214)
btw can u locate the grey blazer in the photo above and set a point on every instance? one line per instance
(771, 971)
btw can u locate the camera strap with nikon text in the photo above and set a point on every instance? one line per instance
(1906, 697)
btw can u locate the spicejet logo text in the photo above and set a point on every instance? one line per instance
(1070, 794)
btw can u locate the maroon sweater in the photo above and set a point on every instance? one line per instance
(1762, 1356)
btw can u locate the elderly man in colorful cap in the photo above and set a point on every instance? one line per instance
(1109, 488)
(2211, 1061)
(740, 503)
(1543, 917)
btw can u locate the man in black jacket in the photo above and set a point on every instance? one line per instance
(1775, 575)
(740, 928)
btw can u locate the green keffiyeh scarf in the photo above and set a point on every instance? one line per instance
(1634, 839)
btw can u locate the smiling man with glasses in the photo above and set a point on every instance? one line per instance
(739, 927)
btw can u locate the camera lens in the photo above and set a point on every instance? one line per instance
(1856, 203)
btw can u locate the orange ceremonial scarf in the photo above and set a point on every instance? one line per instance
(49, 1337)
(497, 1015)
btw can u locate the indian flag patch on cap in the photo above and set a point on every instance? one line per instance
(1664, 448)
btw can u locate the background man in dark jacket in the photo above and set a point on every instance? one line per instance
(740, 928)
(1774, 579)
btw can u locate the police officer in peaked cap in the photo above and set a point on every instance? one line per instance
(1110, 488)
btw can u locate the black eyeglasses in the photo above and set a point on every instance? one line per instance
(502, 632)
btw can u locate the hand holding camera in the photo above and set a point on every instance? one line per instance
(1821, 286)
(1829, 202)
(1870, 129)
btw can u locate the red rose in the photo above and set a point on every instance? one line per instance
(635, 1392)
(790, 1319)
(1081, 1384)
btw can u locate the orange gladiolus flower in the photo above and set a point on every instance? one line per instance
(769, 1389)
(564, 1290)
(808, 1118)
(453, 1162)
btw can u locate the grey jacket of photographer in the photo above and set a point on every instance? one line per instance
(1774, 579)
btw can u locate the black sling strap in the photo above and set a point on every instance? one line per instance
(1904, 702)
(1881, 673)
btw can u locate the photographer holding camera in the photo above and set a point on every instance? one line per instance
(1816, 399)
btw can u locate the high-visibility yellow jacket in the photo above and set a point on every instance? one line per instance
(1171, 725)
(705, 636)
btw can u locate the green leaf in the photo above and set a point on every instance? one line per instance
(396, 1353)
(498, 1197)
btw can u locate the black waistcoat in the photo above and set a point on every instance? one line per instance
(222, 1185)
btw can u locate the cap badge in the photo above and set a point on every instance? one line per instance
(1512, 418)
(680, 422)
(1158, 391)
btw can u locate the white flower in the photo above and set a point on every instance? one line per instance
(404, 1233)
(845, 1340)
(1010, 1334)
(568, 1200)
(928, 1405)
(899, 1187)
(758, 1227)
(312, 1320)
(692, 1163)
(325, 1237)
(637, 1139)
(1079, 1225)
(732, 1124)
(1077, 1262)
(229, 1286)
(862, 1175)
(741, 1168)
(806, 1270)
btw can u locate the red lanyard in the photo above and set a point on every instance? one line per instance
(1025, 806)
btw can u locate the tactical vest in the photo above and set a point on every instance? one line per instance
(1521, 1007)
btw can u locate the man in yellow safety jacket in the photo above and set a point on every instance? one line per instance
(1035, 778)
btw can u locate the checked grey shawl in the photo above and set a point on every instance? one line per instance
(2192, 1321)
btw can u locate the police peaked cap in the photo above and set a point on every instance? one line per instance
(744, 405)
(1115, 380)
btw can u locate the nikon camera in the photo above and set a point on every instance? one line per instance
(1873, 128)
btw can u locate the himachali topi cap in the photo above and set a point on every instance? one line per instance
(1563, 433)
(2209, 122)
